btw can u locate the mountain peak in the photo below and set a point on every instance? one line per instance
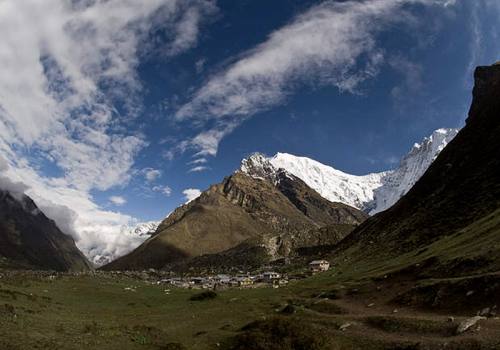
(258, 166)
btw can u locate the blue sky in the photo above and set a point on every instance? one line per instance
(109, 110)
(357, 133)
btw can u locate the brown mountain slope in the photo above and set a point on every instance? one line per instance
(28, 239)
(449, 222)
(240, 209)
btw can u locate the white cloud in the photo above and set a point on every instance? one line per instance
(198, 161)
(191, 194)
(198, 169)
(64, 66)
(167, 191)
(151, 174)
(333, 43)
(117, 200)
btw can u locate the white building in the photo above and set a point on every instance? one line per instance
(319, 265)
(270, 276)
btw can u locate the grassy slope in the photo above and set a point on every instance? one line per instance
(88, 313)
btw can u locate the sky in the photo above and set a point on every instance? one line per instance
(115, 112)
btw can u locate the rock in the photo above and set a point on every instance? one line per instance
(468, 323)
(484, 312)
(370, 305)
(344, 326)
(395, 311)
(451, 319)
(469, 293)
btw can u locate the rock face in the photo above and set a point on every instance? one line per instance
(278, 214)
(451, 217)
(371, 193)
(29, 239)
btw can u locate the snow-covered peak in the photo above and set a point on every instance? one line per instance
(398, 182)
(372, 192)
(142, 228)
(329, 182)
(258, 166)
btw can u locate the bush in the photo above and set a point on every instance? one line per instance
(206, 295)
(279, 334)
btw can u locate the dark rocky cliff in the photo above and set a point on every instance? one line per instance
(29, 239)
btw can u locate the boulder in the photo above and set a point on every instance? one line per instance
(468, 323)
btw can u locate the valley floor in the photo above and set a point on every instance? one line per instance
(321, 312)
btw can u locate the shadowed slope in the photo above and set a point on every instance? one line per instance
(28, 239)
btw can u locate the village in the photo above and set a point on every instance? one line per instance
(214, 281)
(222, 281)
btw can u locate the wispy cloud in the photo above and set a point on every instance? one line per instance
(198, 169)
(198, 161)
(151, 174)
(165, 190)
(412, 82)
(334, 43)
(482, 36)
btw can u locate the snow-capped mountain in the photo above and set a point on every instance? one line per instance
(398, 182)
(372, 192)
(142, 229)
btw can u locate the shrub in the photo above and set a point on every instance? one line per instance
(206, 295)
(279, 334)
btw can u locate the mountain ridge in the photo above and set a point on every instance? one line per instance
(276, 215)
